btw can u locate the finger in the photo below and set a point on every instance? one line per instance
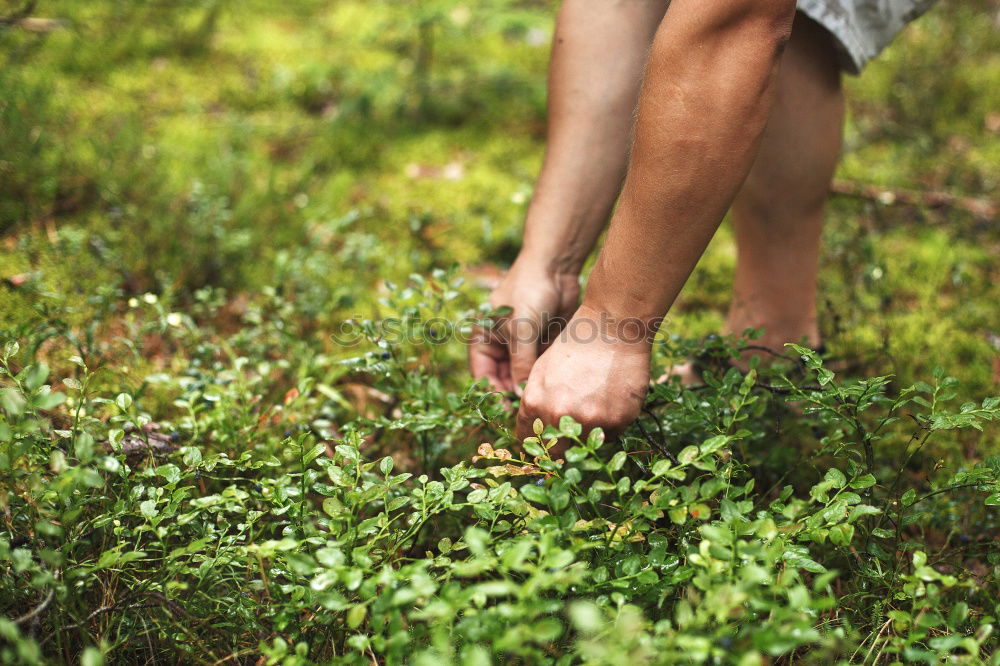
(483, 365)
(523, 348)
(505, 376)
(491, 362)
(522, 359)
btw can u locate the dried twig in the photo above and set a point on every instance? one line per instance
(108, 609)
(660, 446)
(37, 609)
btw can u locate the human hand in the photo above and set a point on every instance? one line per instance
(590, 374)
(541, 302)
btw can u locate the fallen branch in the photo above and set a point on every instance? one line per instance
(981, 208)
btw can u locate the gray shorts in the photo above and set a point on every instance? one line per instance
(863, 28)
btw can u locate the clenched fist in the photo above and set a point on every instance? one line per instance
(541, 303)
(593, 373)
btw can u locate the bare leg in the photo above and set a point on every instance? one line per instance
(592, 98)
(598, 58)
(778, 214)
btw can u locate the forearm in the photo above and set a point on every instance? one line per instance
(704, 104)
(598, 57)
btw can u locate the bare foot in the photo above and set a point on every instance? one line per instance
(688, 374)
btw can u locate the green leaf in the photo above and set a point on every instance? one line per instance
(92, 657)
(842, 534)
(586, 616)
(115, 558)
(617, 461)
(313, 453)
(879, 552)
(909, 497)
(534, 494)
(835, 477)
(356, 616)
(533, 448)
(729, 510)
(569, 427)
(397, 503)
(957, 615)
(115, 437)
(46, 399)
(148, 509)
(301, 563)
(35, 375)
(330, 557)
(862, 510)
(385, 466)
(12, 401)
(83, 446)
(717, 533)
(123, 401)
(678, 514)
(945, 643)
(701, 512)
(688, 455)
(862, 482)
(171, 473)
(803, 562)
(714, 443)
(333, 507)
(191, 455)
(661, 466)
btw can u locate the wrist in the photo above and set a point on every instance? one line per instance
(593, 323)
(557, 263)
(624, 295)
